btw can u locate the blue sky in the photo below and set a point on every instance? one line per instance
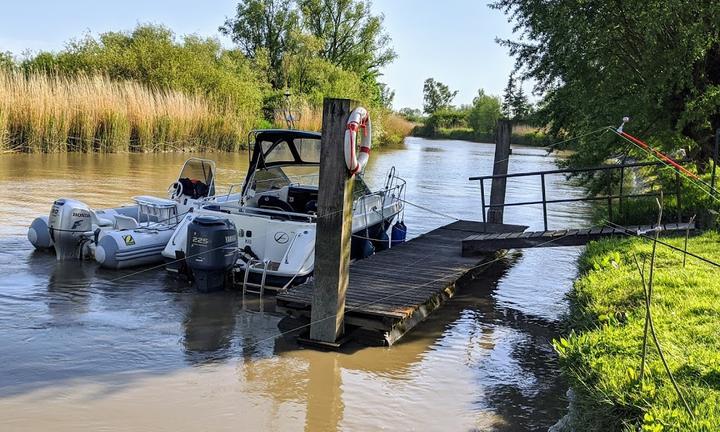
(449, 40)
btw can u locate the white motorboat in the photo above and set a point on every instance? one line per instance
(125, 236)
(276, 213)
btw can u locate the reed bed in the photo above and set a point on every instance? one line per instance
(50, 113)
(389, 129)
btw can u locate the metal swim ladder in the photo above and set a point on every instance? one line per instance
(260, 288)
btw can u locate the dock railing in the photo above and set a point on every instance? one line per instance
(608, 197)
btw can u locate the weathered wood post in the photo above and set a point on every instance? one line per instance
(334, 223)
(500, 167)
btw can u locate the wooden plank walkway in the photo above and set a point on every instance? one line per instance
(478, 244)
(392, 291)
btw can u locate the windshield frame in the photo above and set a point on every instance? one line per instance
(276, 137)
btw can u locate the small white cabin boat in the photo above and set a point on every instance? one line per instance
(276, 213)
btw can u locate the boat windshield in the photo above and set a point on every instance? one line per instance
(198, 177)
(279, 176)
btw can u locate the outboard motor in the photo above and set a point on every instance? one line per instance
(212, 245)
(68, 220)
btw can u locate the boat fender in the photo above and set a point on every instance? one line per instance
(359, 119)
(398, 234)
(381, 241)
(361, 248)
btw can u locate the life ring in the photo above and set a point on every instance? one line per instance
(359, 119)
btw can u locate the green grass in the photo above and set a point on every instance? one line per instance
(601, 354)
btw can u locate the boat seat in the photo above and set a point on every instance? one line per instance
(101, 221)
(125, 222)
(152, 201)
(155, 209)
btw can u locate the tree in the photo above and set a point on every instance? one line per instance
(436, 96)
(6, 61)
(352, 37)
(411, 114)
(484, 113)
(515, 104)
(594, 62)
(263, 29)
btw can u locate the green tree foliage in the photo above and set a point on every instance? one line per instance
(151, 55)
(352, 37)
(436, 96)
(484, 113)
(6, 60)
(411, 114)
(264, 31)
(657, 61)
(515, 104)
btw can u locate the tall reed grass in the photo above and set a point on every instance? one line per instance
(49, 113)
(389, 129)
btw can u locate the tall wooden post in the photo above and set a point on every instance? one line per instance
(502, 155)
(334, 223)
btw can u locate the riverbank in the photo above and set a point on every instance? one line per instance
(601, 356)
(527, 137)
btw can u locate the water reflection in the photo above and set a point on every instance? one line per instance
(85, 348)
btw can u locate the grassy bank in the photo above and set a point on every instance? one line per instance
(601, 356)
(45, 113)
(521, 136)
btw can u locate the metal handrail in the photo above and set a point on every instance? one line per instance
(610, 196)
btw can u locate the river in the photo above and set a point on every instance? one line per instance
(89, 349)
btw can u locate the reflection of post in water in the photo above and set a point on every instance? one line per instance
(69, 288)
(324, 395)
(209, 326)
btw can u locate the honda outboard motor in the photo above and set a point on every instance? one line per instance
(211, 251)
(68, 220)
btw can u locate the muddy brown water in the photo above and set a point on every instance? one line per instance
(87, 349)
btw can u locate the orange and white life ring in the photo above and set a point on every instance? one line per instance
(356, 160)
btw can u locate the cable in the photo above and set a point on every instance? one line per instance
(636, 234)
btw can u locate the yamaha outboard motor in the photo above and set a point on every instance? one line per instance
(212, 245)
(68, 220)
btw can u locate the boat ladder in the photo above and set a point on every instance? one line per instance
(255, 288)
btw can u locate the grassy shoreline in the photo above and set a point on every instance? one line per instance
(532, 138)
(601, 354)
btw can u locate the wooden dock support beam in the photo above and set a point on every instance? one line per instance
(334, 226)
(503, 131)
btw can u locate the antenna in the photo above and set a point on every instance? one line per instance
(289, 118)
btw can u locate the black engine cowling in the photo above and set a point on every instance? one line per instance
(211, 251)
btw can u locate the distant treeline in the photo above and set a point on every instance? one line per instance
(147, 90)
(476, 122)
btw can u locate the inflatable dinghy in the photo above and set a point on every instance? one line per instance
(126, 236)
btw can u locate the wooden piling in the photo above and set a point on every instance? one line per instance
(500, 167)
(334, 226)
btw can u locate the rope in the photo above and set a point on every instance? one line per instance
(429, 210)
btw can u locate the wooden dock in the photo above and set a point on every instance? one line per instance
(478, 244)
(394, 290)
